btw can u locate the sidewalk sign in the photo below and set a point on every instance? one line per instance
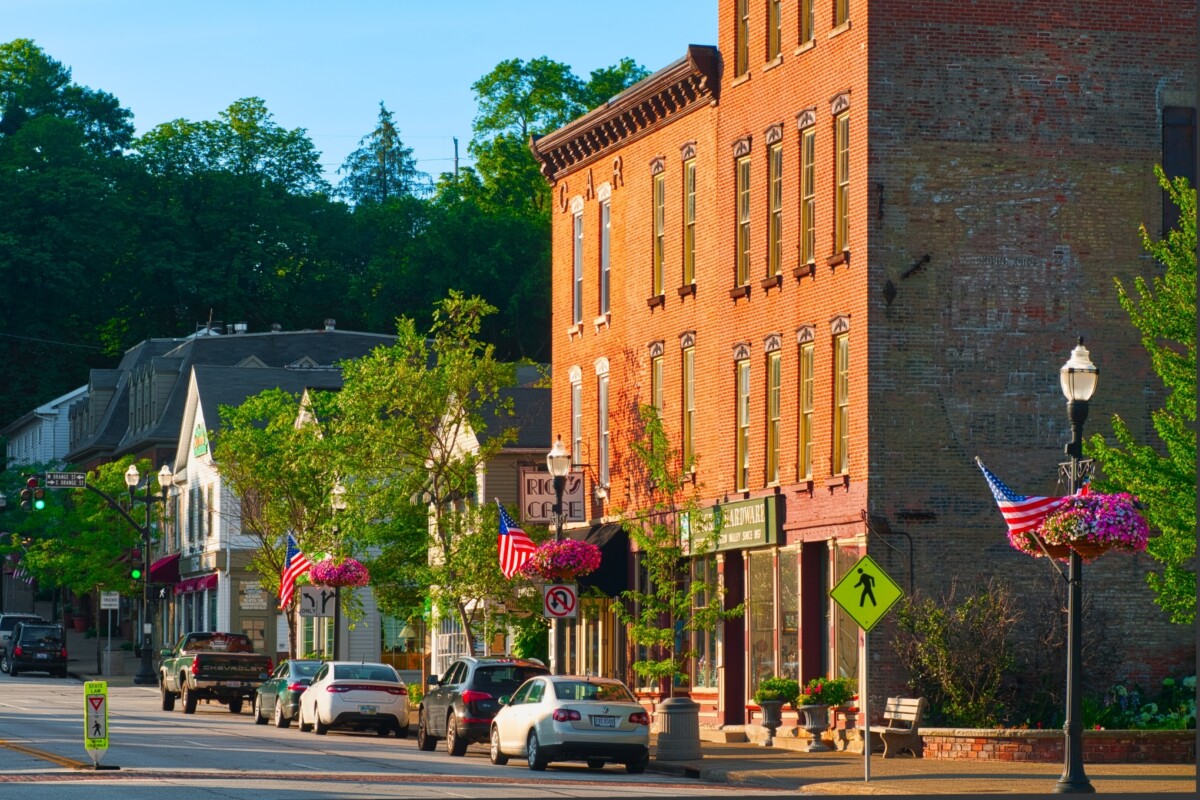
(866, 581)
(95, 720)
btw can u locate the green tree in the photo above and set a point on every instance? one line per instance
(671, 532)
(607, 82)
(382, 168)
(1164, 477)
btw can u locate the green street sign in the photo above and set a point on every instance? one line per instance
(866, 593)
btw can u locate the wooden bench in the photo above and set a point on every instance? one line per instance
(903, 731)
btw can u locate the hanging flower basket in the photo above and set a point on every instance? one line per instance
(1091, 525)
(562, 561)
(349, 572)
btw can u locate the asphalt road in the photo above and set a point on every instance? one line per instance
(220, 755)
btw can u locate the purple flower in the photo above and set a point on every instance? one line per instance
(565, 560)
(349, 572)
(1105, 520)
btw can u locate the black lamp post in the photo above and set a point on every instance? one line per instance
(145, 673)
(558, 460)
(337, 498)
(1078, 378)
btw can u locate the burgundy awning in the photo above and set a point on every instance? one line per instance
(197, 584)
(165, 570)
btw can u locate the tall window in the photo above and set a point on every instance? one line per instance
(577, 422)
(774, 377)
(742, 478)
(689, 221)
(705, 643)
(774, 28)
(660, 202)
(605, 222)
(841, 403)
(656, 384)
(760, 608)
(806, 21)
(742, 45)
(806, 412)
(842, 200)
(775, 222)
(841, 12)
(808, 193)
(602, 414)
(688, 450)
(743, 230)
(577, 298)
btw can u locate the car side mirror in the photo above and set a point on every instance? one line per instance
(431, 680)
(165, 653)
(504, 699)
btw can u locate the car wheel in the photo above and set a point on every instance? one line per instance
(259, 719)
(319, 727)
(189, 698)
(497, 756)
(4, 663)
(402, 731)
(301, 723)
(12, 669)
(638, 765)
(235, 706)
(383, 730)
(455, 744)
(62, 673)
(533, 753)
(424, 740)
(168, 698)
(595, 763)
(280, 720)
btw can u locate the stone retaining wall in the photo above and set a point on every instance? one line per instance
(1046, 746)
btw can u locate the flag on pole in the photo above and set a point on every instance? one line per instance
(294, 565)
(1023, 513)
(515, 545)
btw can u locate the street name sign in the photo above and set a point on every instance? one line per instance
(866, 593)
(95, 719)
(66, 480)
(560, 600)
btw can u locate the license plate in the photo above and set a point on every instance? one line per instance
(368, 710)
(43, 655)
(232, 683)
(604, 722)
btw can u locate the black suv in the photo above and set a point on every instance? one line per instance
(7, 623)
(37, 647)
(460, 707)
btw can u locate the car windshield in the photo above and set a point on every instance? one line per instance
(588, 690)
(49, 635)
(303, 669)
(364, 672)
(218, 643)
(504, 678)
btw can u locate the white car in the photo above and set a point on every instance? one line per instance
(355, 694)
(572, 718)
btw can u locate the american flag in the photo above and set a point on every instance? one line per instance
(295, 565)
(1022, 513)
(21, 574)
(515, 545)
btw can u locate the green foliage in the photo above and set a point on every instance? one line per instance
(416, 693)
(1125, 707)
(532, 639)
(662, 618)
(382, 168)
(776, 688)
(1164, 477)
(827, 692)
(957, 651)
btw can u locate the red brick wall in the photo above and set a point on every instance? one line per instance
(1099, 747)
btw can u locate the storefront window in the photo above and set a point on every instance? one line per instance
(846, 641)
(211, 621)
(761, 611)
(705, 643)
(256, 631)
(789, 614)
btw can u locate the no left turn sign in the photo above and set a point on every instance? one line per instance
(560, 600)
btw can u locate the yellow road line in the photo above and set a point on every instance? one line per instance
(61, 761)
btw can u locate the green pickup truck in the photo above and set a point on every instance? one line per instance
(211, 666)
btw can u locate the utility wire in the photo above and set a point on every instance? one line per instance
(50, 341)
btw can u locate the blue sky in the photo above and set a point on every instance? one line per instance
(324, 66)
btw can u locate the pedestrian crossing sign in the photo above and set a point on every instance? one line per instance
(866, 593)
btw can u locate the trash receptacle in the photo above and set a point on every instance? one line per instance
(679, 730)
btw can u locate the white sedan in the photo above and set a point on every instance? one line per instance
(572, 718)
(355, 694)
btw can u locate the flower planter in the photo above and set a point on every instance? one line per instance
(816, 722)
(1089, 525)
(772, 718)
(349, 573)
(562, 561)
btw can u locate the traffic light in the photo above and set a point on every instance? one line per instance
(39, 498)
(27, 494)
(135, 564)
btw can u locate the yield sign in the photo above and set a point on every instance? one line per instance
(560, 600)
(866, 593)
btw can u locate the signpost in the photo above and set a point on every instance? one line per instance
(866, 593)
(560, 600)
(110, 602)
(66, 480)
(95, 720)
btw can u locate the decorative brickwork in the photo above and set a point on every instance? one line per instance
(1046, 746)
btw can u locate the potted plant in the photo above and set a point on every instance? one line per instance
(348, 572)
(771, 694)
(565, 560)
(1091, 525)
(814, 702)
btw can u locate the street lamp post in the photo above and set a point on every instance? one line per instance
(337, 499)
(145, 673)
(1078, 379)
(558, 461)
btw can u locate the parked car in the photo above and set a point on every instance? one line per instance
(7, 623)
(354, 694)
(279, 697)
(37, 647)
(211, 665)
(572, 718)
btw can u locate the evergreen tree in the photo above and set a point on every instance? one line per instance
(382, 168)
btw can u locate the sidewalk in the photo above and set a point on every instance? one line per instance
(816, 773)
(85, 659)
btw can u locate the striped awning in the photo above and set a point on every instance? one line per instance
(197, 584)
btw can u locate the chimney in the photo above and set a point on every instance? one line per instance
(330, 324)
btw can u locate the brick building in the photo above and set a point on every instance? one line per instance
(844, 252)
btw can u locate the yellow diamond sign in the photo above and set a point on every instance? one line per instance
(866, 593)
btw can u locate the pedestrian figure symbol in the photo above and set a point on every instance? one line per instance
(96, 730)
(867, 582)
